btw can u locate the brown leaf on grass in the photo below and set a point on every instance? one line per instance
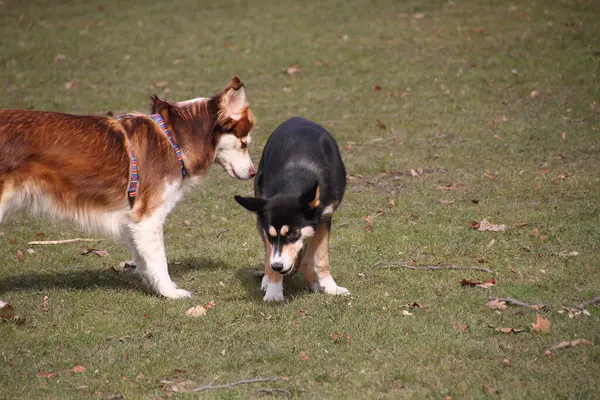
(39, 234)
(545, 171)
(338, 337)
(380, 124)
(304, 356)
(376, 88)
(292, 70)
(534, 93)
(450, 187)
(497, 304)
(59, 57)
(6, 311)
(210, 305)
(507, 362)
(45, 303)
(486, 285)
(490, 389)
(198, 311)
(415, 305)
(47, 375)
(490, 175)
(20, 255)
(509, 330)
(10, 240)
(498, 119)
(78, 369)
(564, 135)
(368, 228)
(446, 202)
(521, 224)
(541, 324)
(461, 328)
(485, 225)
(99, 253)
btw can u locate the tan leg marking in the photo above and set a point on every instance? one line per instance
(315, 263)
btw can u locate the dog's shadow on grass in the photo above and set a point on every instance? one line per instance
(102, 277)
(251, 279)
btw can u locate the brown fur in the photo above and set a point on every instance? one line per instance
(82, 162)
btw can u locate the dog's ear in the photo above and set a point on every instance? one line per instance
(254, 204)
(311, 197)
(158, 106)
(233, 100)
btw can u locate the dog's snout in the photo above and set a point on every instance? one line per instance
(252, 171)
(277, 266)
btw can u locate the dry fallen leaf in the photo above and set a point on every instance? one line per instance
(198, 311)
(574, 311)
(486, 285)
(211, 304)
(509, 330)
(20, 255)
(496, 304)
(507, 362)
(47, 375)
(461, 328)
(490, 175)
(6, 311)
(521, 224)
(406, 313)
(541, 324)
(450, 187)
(100, 253)
(485, 225)
(293, 69)
(78, 369)
(376, 88)
(490, 389)
(46, 303)
(446, 202)
(304, 356)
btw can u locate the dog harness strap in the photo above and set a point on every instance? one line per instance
(133, 169)
(161, 123)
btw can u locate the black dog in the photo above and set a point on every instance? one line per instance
(300, 182)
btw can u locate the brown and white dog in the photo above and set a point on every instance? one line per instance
(78, 168)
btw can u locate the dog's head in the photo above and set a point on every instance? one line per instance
(216, 129)
(288, 222)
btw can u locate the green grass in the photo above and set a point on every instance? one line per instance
(456, 80)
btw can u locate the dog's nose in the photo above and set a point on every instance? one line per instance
(277, 267)
(252, 172)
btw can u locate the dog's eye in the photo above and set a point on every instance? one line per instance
(244, 145)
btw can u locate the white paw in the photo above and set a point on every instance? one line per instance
(273, 291)
(336, 291)
(329, 286)
(176, 293)
(264, 283)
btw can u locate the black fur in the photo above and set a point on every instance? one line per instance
(299, 156)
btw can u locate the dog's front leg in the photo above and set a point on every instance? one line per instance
(319, 255)
(272, 282)
(151, 259)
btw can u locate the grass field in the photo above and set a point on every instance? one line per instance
(497, 102)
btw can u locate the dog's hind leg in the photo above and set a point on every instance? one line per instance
(149, 255)
(315, 263)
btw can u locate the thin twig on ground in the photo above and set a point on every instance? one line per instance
(65, 241)
(402, 264)
(210, 386)
(595, 300)
(515, 302)
(563, 345)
